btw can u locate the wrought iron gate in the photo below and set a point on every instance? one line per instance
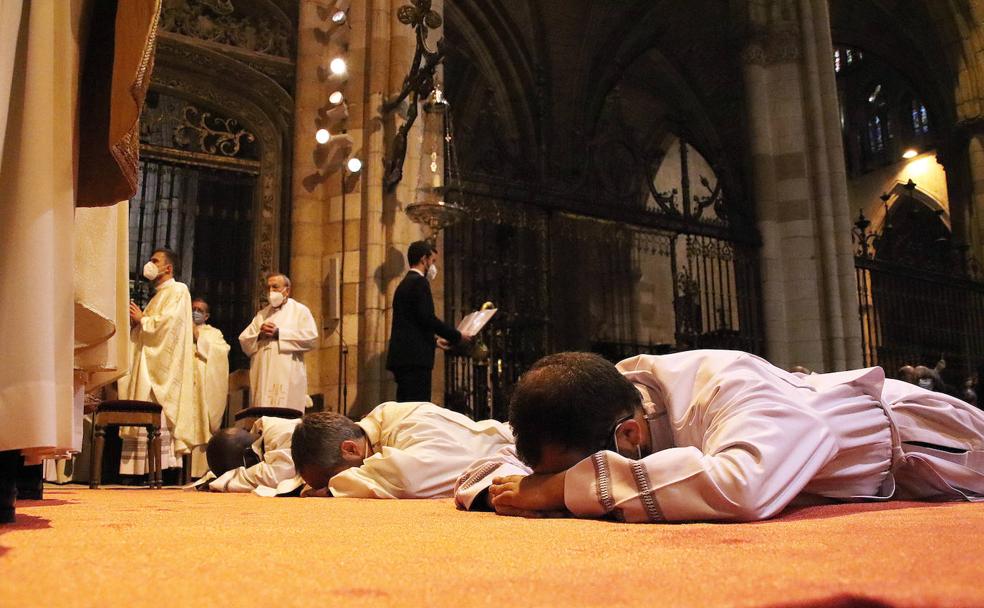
(681, 274)
(919, 297)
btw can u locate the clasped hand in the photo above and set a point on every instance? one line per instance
(268, 330)
(528, 496)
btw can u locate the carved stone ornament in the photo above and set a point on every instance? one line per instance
(217, 21)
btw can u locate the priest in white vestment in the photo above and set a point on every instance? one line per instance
(257, 461)
(275, 341)
(162, 369)
(399, 450)
(211, 376)
(721, 435)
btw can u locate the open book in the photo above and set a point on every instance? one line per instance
(474, 322)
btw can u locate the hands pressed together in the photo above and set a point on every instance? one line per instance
(269, 331)
(528, 496)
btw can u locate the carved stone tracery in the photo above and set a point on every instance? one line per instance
(218, 21)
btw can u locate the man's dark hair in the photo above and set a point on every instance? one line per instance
(571, 400)
(417, 250)
(172, 258)
(317, 440)
(227, 450)
(208, 308)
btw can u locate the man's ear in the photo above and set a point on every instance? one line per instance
(350, 450)
(631, 431)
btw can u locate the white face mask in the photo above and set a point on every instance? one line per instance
(150, 271)
(926, 383)
(275, 298)
(432, 272)
(198, 317)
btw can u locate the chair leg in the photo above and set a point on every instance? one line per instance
(154, 456)
(95, 464)
(150, 456)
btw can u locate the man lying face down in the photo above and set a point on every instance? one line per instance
(399, 450)
(720, 435)
(256, 461)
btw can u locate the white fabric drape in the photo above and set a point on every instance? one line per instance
(39, 43)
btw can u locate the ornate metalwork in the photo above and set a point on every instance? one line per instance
(169, 122)
(418, 83)
(222, 137)
(217, 21)
(866, 242)
(267, 224)
(436, 216)
(919, 298)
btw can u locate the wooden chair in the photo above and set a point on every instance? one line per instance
(245, 418)
(126, 413)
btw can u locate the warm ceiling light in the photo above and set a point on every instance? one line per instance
(336, 97)
(338, 17)
(322, 136)
(337, 66)
(354, 165)
(910, 153)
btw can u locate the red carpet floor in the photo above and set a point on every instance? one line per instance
(123, 547)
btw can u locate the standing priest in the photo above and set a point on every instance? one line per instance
(211, 375)
(162, 368)
(275, 342)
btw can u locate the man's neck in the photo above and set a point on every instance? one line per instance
(162, 281)
(419, 270)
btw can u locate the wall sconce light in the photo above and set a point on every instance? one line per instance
(910, 153)
(334, 146)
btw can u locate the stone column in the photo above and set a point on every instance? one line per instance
(308, 211)
(348, 220)
(800, 187)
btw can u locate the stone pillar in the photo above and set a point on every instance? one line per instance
(349, 220)
(975, 216)
(308, 211)
(800, 187)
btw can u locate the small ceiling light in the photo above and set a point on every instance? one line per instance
(336, 97)
(322, 136)
(910, 153)
(338, 17)
(337, 66)
(354, 165)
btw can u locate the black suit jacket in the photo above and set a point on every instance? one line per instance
(415, 324)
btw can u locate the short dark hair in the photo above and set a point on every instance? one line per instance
(570, 400)
(417, 250)
(173, 258)
(317, 440)
(208, 308)
(226, 449)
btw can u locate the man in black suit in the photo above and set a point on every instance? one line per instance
(411, 347)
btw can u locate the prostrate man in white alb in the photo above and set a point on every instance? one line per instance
(257, 461)
(211, 375)
(162, 369)
(276, 341)
(721, 435)
(399, 450)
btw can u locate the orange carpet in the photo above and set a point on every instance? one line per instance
(128, 547)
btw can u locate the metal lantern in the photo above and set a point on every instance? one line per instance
(438, 170)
